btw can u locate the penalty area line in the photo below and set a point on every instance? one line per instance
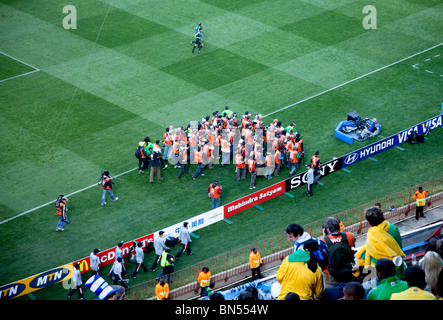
(22, 62)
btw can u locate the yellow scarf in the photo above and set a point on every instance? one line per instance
(379, 244)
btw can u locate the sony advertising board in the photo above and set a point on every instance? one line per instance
(300, 179)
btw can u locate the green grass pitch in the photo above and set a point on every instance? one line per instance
(127, 72)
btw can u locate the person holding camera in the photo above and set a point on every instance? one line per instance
(61, 212)
(214, 192)
(340, 246)
(106, 184)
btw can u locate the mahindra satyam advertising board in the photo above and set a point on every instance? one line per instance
(254, 199)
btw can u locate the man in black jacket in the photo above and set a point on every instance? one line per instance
(155, 162)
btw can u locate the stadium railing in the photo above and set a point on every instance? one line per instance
(233, 263)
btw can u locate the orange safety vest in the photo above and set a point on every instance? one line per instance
(420, 198)
(176, 147)
(184, 156)
(213, 192)
(239, 161)
(207, 151)
(269, 161)
(60, 209)
(254, 260)
(292, 157)
(167, 138)
(162, 291)
(315, 162)
(105, 185)
(192, 141)
(251, 165)
(198, 157)
(204, 278)
(298, 144)
(277, 155)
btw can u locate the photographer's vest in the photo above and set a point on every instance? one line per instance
(60, 209)
(105, 183)
(277, 157)
(198, 157)
(213, 192)
(239, 162)
(251, 166)
(292, 156)
(167, 139)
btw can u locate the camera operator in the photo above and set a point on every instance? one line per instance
(370, 129)
(106, 184)
(61, 212)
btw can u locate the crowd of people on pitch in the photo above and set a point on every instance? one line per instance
(246, 141)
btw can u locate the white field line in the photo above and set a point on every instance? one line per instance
(66, 195)
(350, 81)
(20, 75)
(289, 106)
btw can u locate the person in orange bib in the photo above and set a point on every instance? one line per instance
(255, 262)
(162, 290)
(214, 192)
(420, 198)
(203, 280)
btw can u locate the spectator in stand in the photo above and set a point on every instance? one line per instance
(415, 277)
(353, 291)
(440, 285)
(388, 283)
(383, 241)
(301, 274)
(336, 292)
(432, 265)
(340, 246)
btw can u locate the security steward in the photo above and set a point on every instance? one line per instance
(203, 280)
(162, 290)
(420, 198)
(255, 262)
(167, 263)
